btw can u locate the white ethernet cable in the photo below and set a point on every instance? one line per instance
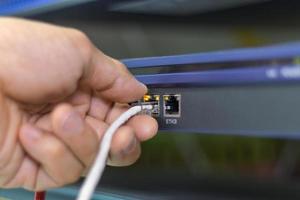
(97, 169)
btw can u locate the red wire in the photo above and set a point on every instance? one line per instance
(40, 195)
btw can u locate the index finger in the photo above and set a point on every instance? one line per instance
(110, 79)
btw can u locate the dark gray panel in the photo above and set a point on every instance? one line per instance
(259, 110)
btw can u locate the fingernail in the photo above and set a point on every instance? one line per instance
(31, 132)
(131, 146)
(73, 124)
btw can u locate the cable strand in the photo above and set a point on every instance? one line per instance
(97, 169)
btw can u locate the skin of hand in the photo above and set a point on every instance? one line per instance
(58, 94)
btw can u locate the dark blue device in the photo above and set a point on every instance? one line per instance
(253, 92)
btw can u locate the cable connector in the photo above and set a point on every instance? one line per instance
(146, 108)
(149, 99)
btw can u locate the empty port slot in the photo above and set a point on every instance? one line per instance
(172, 103)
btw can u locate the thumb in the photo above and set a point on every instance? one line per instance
(110, 79)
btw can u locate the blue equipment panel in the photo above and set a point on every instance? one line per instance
(253, 92)
(12, 7)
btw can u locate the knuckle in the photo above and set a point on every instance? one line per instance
(82, 42)
(3, 161)
(56, 151)
(3, 180)
(78, 35)
(66, 177)
(5, 156)
(121, 67)
(119, 63)
(74, 176)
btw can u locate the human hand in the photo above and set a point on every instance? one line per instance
(58, 94)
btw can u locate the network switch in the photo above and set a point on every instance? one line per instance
(253, 92)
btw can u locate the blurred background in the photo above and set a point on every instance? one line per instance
(137, 28)
(184, 165)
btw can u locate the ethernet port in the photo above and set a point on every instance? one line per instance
(152, 99)
(172, 105)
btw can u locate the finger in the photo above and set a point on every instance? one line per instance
(144, 126)
(115, 111)
(97, 125)
(125, 148)
(80, 100)
(110, 79)
(99, 108)
(70, 127)
(57, 161)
